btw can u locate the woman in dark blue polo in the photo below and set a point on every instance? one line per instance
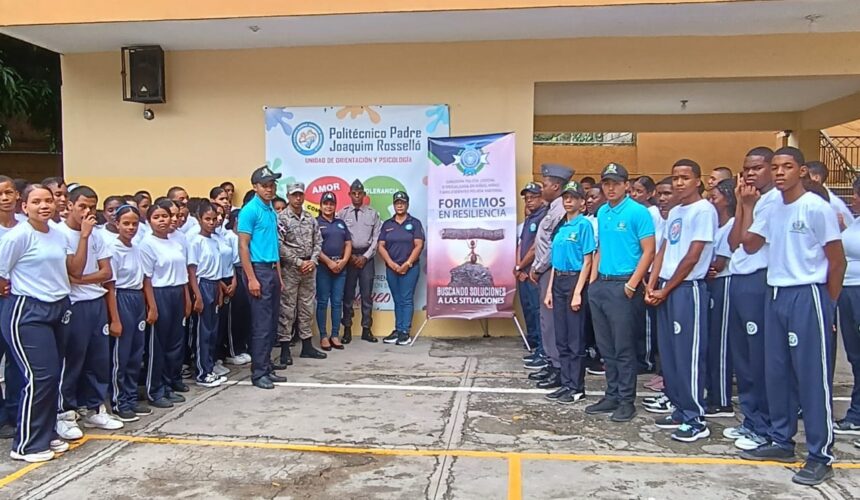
(401, 240)
(335, 254)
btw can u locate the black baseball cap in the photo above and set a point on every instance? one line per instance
(574, 188)
(328, 196)
(263, 175)
(531, 187)
(614, 172)
(401, 196)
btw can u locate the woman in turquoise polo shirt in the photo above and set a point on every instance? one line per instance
(401, 240)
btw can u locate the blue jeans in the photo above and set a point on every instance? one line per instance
(530, 303)
(329, 288)
(402, 288)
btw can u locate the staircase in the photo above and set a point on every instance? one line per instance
(841, 155)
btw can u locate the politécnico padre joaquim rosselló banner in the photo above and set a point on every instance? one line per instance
(327, 147)
(471, 227)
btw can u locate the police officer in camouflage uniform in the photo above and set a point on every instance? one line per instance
(299, 251)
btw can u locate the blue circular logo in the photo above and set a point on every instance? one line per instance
(307, 138)
(533, 227)
(409, 227)
(340, 225)
(675, 231)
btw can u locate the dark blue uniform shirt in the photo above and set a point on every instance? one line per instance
(334, 236)
(399, 238)
(530, 227)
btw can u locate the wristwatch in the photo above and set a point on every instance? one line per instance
(516, 268)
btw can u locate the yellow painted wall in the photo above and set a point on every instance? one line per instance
(850, 128)
(212, 127)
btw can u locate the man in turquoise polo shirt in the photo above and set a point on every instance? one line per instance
(258, 253)
(616, 295)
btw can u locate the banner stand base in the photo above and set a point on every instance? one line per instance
(485, 327)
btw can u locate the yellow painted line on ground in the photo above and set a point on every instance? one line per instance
(503, 455)
(18, 474)
(515, 478)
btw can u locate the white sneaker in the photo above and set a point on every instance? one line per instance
(246, 358)
(102, 420)
(42, 456)
(211, 380)
(221, 378)
(67, 426)
(219, 369)
(750, 442)
(235, 361)
(736, 433)
(59, 446)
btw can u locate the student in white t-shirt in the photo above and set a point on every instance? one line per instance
(818, 173)
(805, 273)
(719, 385)
(13, 376)
(136, 307)
(204, 278)
(165, 263)
(678, 286)
(849, 321)
(642, 190)
(34, 279)
(86, 357)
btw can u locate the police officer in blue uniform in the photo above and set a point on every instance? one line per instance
(331, 277)
(401, 240)
(529, 292)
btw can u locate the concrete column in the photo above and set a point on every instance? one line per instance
(808, 141)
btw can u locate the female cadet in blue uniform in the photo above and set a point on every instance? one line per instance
(401, 240)
(335, 254)
(35, 270)
(164, 262)
(573, 244)
(135, 304)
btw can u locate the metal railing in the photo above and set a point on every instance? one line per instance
(586, 138)
(849, 146)
(841, 172)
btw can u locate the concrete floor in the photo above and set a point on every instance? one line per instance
(416, 422)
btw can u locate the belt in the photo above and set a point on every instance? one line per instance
(613, 277)
(566, 273)
(265, 265)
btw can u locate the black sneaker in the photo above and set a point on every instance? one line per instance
(403, 339)
(391, 338)
(570, 398)
(595, 367)
(535, 364)
(540, 375)
(653, 399)
(551, 382)
(179, 387)
(161, 403)
(813, 473)
(529, 356)
(263, 383)
(274, 377)
(721, 411)
(624, 413)
(603, 406)
(662, 405)
(667, 422)
(7, 431)
(126, 415)
(561, 391)
(688, 433)
(846, 428)
(141, 410)
(175, 398)
(769, 452)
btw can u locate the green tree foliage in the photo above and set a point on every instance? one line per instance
(29, 90)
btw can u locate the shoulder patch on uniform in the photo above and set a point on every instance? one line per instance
(408, 227)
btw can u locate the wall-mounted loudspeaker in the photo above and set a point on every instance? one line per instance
(143, 74)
